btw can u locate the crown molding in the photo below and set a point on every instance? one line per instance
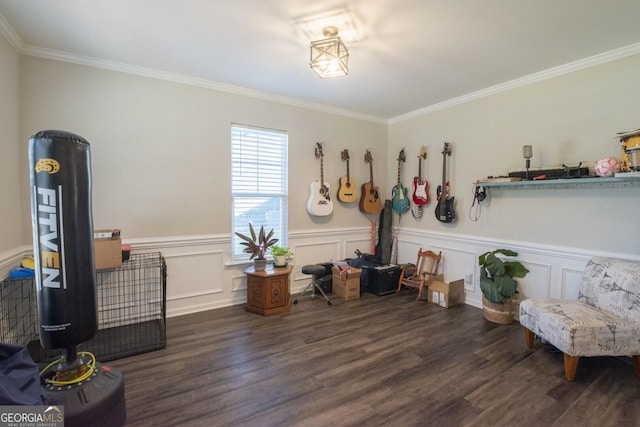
(88, 61)
(9, 33)
(24, 49)
(16, 42)
(592, 61)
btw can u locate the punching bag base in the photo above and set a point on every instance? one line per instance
(98, 402)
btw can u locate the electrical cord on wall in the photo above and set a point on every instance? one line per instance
(416, 211)
(479, 194)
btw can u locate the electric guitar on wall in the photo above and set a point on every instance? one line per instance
(347, 190)
(319, 203)
(420, 187)
(400, 202)
(369, 201)
(444, 209)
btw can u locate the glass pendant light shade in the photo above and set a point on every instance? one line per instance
(330, 56)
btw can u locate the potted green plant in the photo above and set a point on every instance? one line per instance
(257, 245)
(498, 284)
(280, 255)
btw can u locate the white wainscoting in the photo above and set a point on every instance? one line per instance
(11, 259)
(554, 272)
(201, 276)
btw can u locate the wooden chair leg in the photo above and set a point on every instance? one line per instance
(420, 292)
(570, 366)
(636, 365)
(529, 336)
(400, 281)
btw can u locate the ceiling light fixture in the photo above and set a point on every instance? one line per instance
(329, 56)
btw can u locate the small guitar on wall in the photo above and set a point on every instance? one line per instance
(369, 201)
(420, 187)
(444, 209)
(319, 203)
(347, 190)
(400, 202)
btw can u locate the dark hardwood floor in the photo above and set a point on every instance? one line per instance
(376, 361)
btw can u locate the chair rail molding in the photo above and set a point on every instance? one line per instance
(11, 259)
(201, 277)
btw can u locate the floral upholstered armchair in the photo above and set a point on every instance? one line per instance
(604, 321)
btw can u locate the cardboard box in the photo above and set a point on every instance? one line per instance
(446, 294)
(346, 287)
(107, 248)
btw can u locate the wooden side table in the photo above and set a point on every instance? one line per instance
(268, 290)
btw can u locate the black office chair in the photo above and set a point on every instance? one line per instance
(316, 271)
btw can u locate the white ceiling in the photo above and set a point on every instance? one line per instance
(405, 55)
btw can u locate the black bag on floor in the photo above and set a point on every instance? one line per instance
(385, 239)
(19, 377)
(364, 262)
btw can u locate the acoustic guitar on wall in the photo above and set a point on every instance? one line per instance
(444, 209)
(347, 190)
(399, 199)
(319, 203)
(370, 201)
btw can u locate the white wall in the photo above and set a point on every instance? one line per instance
(160, 150)
(161, 174)
(11, 186)
(566, 119)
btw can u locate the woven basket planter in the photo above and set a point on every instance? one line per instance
(502, 314)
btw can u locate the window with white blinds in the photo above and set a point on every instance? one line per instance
(259, 183)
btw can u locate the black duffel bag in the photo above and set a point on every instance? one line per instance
(19, 377)
(364, 262)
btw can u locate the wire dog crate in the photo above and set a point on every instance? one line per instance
(131, 302)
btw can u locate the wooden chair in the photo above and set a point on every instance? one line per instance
(423, 273)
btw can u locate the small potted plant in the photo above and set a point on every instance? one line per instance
(498, 284)
(257, 245)
(280, 255)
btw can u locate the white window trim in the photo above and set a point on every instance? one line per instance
(264, 176)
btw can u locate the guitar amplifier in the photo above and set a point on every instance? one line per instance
(326, 279)
(382, 280)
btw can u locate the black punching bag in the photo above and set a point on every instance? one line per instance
(60, 172)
